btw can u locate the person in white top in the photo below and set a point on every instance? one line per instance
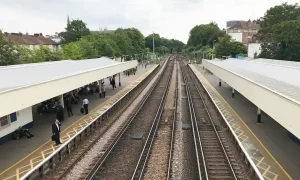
(86, 105)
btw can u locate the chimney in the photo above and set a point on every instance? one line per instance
(27, 34)
(41, 34)
(20, 34)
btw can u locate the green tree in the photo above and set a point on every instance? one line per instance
(200, 34)
(238, 48)
(283, 41)
(72, 51)
(224, 47)
(8, 53)
(74, 31)
(137, 40)
(87, 49)
(149, 41)
(280, 32)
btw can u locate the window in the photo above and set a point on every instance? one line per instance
(4, 121)
(13, 117)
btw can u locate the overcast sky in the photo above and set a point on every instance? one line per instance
(169, 18)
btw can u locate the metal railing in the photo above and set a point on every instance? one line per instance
(58, 155)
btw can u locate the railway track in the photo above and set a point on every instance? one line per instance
(155, 160)
(121, 156)
(62, 169)
(215, 157)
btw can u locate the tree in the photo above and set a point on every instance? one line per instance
(238, 48)
(137, 40)
(149, 41)
(87, 48)
(224, 47)
(74, 31)
(200, 34)
(280, 32)
(8, 53)
(72, 51)
(283, 41)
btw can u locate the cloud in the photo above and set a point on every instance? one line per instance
(169, 18)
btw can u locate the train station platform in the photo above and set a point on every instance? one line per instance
(267, 144)
(19, 156)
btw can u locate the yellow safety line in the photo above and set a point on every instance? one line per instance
(250, 131)
(17, 174)
(266, 170)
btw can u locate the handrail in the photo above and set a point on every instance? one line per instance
(235, 136)
(75, 136)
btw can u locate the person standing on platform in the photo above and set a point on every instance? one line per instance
(56, 132)
(86, 105)
(103, 89)
(113, 83)
(60, 112)
(69, 105)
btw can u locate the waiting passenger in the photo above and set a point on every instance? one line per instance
(69, 106)
(103, 89)
(60, 112)
(85, 105)
(113, 83)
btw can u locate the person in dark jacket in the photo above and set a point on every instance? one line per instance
(60, 112)
(56, 132)
(113, 83)
(69, 105)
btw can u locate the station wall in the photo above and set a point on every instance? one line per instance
(15, 120)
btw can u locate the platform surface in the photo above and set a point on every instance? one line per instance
(19, 156)
(267, 144)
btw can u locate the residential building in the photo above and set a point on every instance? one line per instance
(54, 37)
(32, 41)
(243, 32)
(229, 24)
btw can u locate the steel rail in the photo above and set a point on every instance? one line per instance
(214, 127)
(139, 170)
(91, 174)
(173, 124)
(196, 133)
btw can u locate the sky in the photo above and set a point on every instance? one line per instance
(170, 18)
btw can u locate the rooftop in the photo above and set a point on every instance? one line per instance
(25, 39)
(275, 75)
(245, 25)
(18, 76)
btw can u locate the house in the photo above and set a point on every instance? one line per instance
(32, 41)
(243, 31)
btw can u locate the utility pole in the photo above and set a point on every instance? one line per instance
(153, 45)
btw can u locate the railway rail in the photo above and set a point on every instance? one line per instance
(155, 160)
(141, 120)
(215, 157)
